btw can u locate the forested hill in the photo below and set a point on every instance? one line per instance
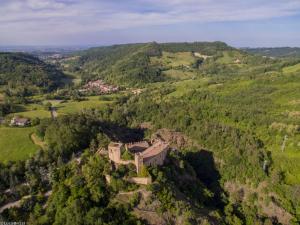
(132, 64)
(121, 64)
(275, 52)
(27, 70)
(206, 48)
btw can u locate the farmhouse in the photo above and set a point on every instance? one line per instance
(144, 154)
(20, 122)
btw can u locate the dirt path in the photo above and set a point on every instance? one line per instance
(17, 204)
(13, 204)
(53, 113)
(37, 141)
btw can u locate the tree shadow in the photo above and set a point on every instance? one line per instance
(204, 165)
(123, 134)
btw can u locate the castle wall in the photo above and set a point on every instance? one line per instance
(156, 160)
(136, 180)
(140, 180)
(138, 161)
(126, 162)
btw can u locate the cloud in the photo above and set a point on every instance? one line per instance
(47, 18)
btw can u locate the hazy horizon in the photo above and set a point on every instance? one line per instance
(53, 46)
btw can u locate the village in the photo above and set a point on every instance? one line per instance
(99, 87)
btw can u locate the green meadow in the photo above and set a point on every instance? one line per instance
(292, 69)
(169, 59)
(70, 107)
(63, 107)
(16, 144)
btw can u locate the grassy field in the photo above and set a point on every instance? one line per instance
(74, 106)
(67, 107)
(177, 65)
(292, 69)
(179, 74)
(229, 57)
(15, 143)
(169, 59)
(33, 111)
(40, 113)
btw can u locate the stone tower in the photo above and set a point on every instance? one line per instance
(114, 151)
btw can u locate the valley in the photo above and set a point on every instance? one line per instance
(224, 110)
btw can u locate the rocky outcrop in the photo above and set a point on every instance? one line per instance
(176, 139)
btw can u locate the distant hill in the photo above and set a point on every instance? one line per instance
(24, 69)
(206, 48)
(131, 64)
(275, 52)
(135, 65)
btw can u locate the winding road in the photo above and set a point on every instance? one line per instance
(17, 204)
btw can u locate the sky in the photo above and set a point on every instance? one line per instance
(240, 23)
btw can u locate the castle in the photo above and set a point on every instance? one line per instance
(144, 153)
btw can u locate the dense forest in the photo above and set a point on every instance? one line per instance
(19, 69)
(124, 64)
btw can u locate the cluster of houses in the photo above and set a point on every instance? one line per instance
(99, 86)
